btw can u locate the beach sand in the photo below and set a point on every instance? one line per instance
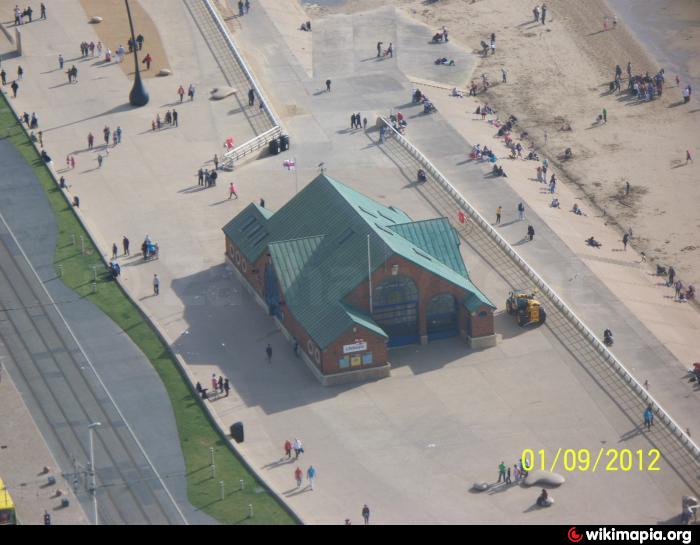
(559, 73)
(114, 31)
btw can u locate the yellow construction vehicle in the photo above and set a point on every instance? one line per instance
(525, 306)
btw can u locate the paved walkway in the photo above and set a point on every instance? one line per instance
(411, 444)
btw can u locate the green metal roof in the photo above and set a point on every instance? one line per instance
(438, 238)
(249, 231)
(318, 244)
(365, 320)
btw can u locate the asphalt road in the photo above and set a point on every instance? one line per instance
(47, 361)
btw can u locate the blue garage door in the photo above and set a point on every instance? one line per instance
(396, 310)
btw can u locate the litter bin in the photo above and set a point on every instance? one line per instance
(284, 142)
(237, 432)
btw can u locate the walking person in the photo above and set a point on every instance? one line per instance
(688, 157)
(60, 61)
(99, 160)
(328, 86)
(91, 140)
(501, 472)
(544, 13)
(227, 387)
(678, 286)
(288, 449)
(268, 351)
(20, 73)
(498, 215)
(115, 251)
(200, 177)
(156, 285)
(15, 88)
(508, 481)
(365, 514)
(147, 60)
(41, 139)
(625, 240)
(311, 476)
(3, 76)
(181, 93)
(298, 448)
(298, 476)
(190, 92)
(232, 191)
(214, 384)
(72, 162)
(605, 115)
(43, 11)
(379, 49)
(175, 118)
(216, 162)
(220, 384)
(671, 275)
(521, 210)
(125, 245)
(648, 417)
(530, 232)
(505, 76)
(251, 97)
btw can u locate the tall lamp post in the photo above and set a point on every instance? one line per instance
(93, 480)
(138, 95)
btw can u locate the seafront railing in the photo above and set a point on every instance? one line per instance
(580, 326)
(261, 140)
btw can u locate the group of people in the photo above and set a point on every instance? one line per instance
(540, 14)
(507, 476)
(356, 121)
(243, 7)
(219, 386)
(486, 47)
(440, 37)
(207, 178)
(482, 154)
(306, 27)
(190, 92)
(27, 13)
(682, 294)
(298, 449)
(171, 119)
(138, 45)
(388, 52)
(31, 122)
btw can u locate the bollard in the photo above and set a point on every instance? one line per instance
(94, 273)
(213, 471)
(211, 456)
(221, 487)
(250, 510)
(242, 484)
(60, 271)
(94, 287)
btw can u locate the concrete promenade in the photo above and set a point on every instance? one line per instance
(409, 446)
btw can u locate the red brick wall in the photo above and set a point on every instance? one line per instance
(481, 325)
(255, 273)
(334, 352)
(429, 285)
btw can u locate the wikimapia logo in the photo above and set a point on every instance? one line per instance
(633, 536)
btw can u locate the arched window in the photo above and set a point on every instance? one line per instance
(442, 317)
(396, 309)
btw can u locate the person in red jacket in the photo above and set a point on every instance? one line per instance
(288, 449)
(298, 475)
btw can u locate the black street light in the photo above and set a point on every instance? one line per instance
(138, 95)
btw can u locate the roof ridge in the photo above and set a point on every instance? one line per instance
(296, 239)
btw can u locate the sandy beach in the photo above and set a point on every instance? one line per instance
(558, 74)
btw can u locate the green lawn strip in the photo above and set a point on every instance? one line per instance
(195, 429)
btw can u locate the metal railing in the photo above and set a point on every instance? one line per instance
(241, 62)
(580, 326)
(251, 146)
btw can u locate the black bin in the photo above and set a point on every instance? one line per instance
(274, 147)
(284, 142)
(237, 432)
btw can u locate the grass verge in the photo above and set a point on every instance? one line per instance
(196, 432)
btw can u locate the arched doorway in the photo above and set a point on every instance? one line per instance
(396, 310)
(442, 317)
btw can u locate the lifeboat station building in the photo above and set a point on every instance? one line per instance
(347, 278)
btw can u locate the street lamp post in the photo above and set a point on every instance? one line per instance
(93, 479)
(138, 95)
